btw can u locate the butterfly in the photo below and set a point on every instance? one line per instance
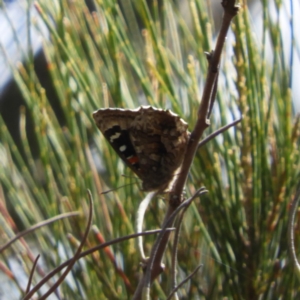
(151, 142)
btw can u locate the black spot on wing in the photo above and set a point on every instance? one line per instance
(120, 139)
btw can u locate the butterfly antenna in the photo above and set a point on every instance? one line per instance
(119, 187)
(115, 189)
(127, 176)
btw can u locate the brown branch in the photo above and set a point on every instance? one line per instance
(154, 266)
(230, 10)
(90, 251)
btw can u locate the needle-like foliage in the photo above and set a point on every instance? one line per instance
(128, 53)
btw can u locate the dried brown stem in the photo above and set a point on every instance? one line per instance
(174, 250)
(90, 251)
(230, 10)
(31, 274)
(217, 132)
(154, 265)
(183, 282)
(36, 226)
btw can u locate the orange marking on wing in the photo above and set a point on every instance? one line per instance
(133, 159)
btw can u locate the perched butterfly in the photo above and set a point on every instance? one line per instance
(151, 141)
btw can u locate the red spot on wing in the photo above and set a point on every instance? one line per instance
(133, 160)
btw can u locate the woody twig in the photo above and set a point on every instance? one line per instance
(205, 108)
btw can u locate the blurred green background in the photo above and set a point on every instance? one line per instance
(130, 53)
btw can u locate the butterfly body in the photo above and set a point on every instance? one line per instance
(150, 141)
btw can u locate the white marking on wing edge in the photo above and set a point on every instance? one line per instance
(122, 148)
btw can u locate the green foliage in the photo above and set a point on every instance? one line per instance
(129, 54)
